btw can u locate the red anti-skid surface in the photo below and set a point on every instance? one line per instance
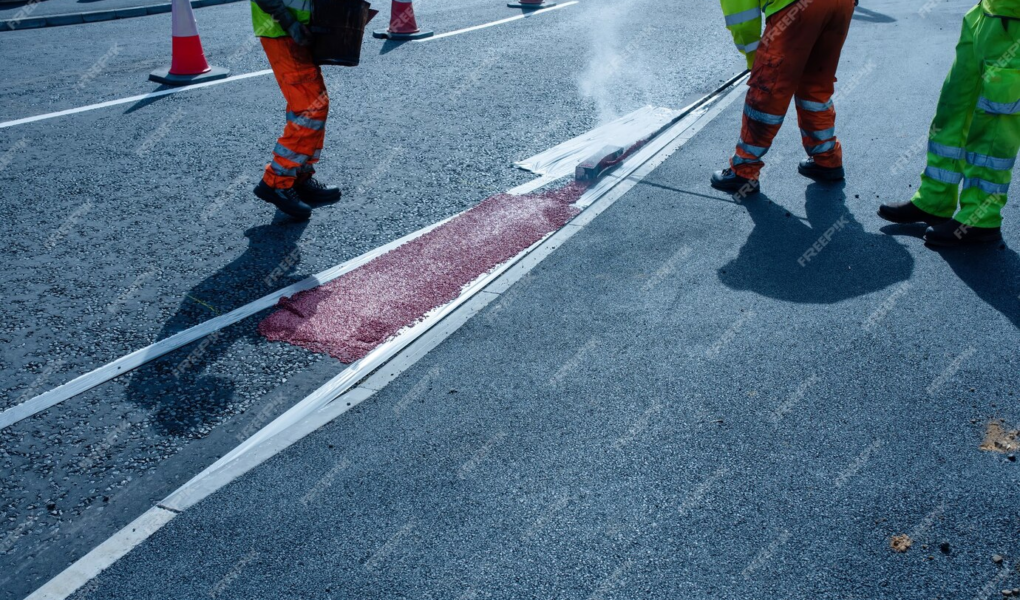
(349, 316)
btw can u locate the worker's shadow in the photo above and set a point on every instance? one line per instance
(992, 272)
(869, 16)
(183, 389)
(828, 259)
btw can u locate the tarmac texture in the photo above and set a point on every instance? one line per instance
(129, 223)
(694, 397)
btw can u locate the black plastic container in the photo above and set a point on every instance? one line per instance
(338, 27)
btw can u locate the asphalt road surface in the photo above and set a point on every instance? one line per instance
(669, 407)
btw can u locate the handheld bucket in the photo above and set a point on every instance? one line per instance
(339, 28)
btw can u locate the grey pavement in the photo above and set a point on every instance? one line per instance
(29, 14)
(8, 10)
(126, 224)
(671, 406)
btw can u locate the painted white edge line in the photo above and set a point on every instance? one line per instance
(104, 555)
(138, 98)
(83, 383)
(494, 23)
(160, 93)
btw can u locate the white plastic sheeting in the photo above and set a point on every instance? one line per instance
(626, 131)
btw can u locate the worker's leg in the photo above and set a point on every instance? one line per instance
(302, 85)
(994, 138)
(785, 46)
(815, 111)
(950, 129)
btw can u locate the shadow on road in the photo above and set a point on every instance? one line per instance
(661, 186)
(391, 45)
(828, 259)
(148, 101)
(181, 388)
(992, 272)
(869, 16)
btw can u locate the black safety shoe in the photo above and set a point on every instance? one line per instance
(908, 212)
(728, 181)
(314, 192)
(955, 233)
(808, 168)
(287, 200)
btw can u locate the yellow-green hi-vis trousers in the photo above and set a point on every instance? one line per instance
(975, 136)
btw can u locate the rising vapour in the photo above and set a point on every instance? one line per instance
(616, 78)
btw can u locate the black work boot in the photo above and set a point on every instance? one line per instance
(728, 181)
(908, 212)
(287, 200)
(313, 192)
(954, 233)
(808, 168)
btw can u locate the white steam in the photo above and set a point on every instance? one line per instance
(617, 78)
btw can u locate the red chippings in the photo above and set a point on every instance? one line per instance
(349, 316)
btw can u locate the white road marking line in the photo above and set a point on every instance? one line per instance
(139, 98)
(494, 23)
(99, 559)
(122, 365)
(328, 402)
(157, 94)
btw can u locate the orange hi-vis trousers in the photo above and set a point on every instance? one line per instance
(302, 85)
(797, 57)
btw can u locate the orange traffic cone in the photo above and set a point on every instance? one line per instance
(532, 4)
(403, 25)
(187, 64)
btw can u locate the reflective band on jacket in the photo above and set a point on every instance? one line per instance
(810, 106)
(317, 153)
(951, 152)
(990, 162)
(749, 47)
(743, 17)
(943, 175)
(820, 148)
(819, 135)
(986, 186)
(756, 151)
(763, 117)
(281, 170)
(305, 121)
(284, 152)
(998, 108)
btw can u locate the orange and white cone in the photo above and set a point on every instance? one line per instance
(187, 63)
(531, 4)
(403, 25)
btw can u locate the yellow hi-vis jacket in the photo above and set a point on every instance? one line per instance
(743, 19)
